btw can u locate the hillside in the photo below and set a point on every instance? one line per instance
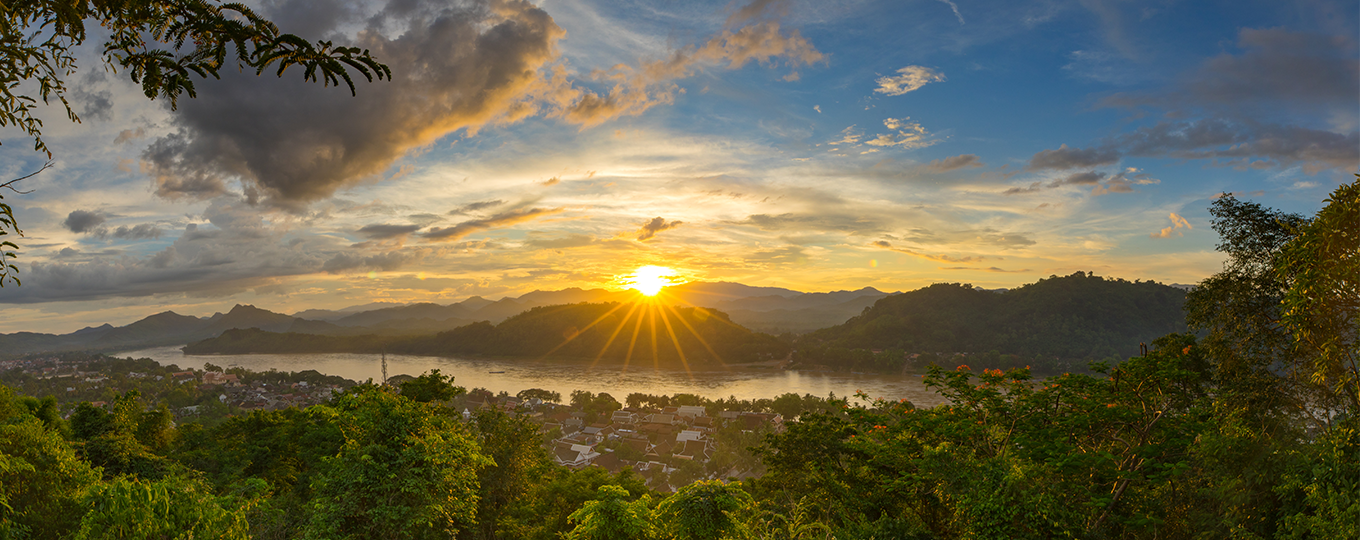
(702, 337)
(1074, 317)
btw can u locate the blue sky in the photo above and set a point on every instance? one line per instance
(810, 145)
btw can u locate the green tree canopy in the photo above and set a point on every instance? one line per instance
(704, 510)
(611, 516)
(405, 471)
(432, 386)
(1321, 308)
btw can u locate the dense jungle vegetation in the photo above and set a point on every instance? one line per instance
(1245, 429)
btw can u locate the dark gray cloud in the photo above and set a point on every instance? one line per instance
(1275, 68)
(1122, 182)
(383, 231)
(142, 231)
(454, 66)
(649, 229)
(955, 162)
(80, 221)
(1079, 179)
(235, 251)
(474, 207)
(386, 262)
(503, 219)
(1072, 158)
(1221, 107)
(1233, 142)
(95, 103)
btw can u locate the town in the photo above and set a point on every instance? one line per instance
(670, 441)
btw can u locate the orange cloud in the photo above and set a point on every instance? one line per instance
(1177, 222)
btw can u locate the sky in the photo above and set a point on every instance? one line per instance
(813, 145)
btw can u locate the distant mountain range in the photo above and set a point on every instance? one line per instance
(627, 332)
(1076, 316)
(763, 309)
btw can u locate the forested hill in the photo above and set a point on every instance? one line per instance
(642, 332)
(1077, 316)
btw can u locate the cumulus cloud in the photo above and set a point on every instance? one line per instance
(128, 135)
(908, 79)
(455, 67)
(1177, 223)
(649, 229)
(92, 223)
(80, 221)
(141, 231)
(953, 163)
(503, 219)
(906, 135)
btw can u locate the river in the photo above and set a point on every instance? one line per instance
(564, 376)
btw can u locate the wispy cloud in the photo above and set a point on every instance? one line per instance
(503, 219)
(938, 258)
(954, 7)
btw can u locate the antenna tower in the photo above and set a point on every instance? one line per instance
(384, 358)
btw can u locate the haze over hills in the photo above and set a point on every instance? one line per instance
(766, 309)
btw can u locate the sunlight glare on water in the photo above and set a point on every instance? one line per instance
(564, 376)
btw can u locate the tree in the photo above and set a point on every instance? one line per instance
(1321, 308)
(611, 516)
(513, 443)
(545, 395)
(432, 386)
(9, 226)
(547, 512)
(404, 471)
(703, 511)
(1239, 309)
(41, 481)
(168, 508)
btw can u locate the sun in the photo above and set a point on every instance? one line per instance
(649, 280)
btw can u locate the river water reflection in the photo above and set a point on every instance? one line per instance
(564, 376)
